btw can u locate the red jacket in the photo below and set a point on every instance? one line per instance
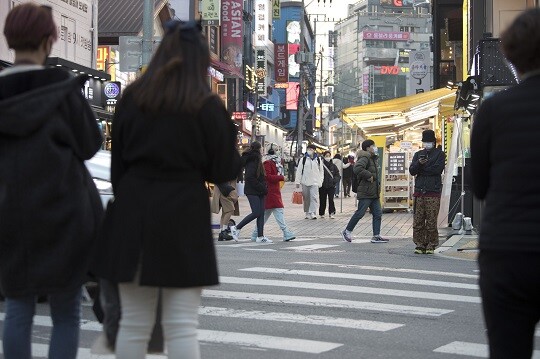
(273, 198)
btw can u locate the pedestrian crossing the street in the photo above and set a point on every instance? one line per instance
(326, 298)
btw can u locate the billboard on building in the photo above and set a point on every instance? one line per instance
(276, 9)
(397, 3)
(260, 71)
(419, 68)
(232, 36)
(293, 91)
(386, 35)
(281, 59)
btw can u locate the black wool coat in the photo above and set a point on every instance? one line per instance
(49, 206)
(428, 175)
(161, 217)
(255, 182)
(504, 168)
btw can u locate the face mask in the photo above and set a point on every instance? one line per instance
(310, 152)
(375, 151)
(427, 145)
(328, 158)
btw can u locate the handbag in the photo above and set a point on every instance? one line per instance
(240, 188)
(297, 198)
(281, 184)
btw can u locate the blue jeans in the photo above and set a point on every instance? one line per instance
(257, 212)
(65, 314)
(375, 206)
(279, 216)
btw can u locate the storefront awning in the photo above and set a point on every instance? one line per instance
(400, 114)
(228, 70)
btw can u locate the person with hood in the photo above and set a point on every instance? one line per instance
(256, 190)
(341, 165)
(274, 203)
(309, 174)
(368, 192)
(330, 181)
(49, 206)
(504, 174)
(427, 165)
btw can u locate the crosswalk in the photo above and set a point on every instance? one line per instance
(326, 298)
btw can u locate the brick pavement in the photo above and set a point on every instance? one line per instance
(394, 225)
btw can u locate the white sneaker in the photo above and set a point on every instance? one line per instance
(322, 216)
(307, 216)
(313, 216)
(332, 216)
(235, 233)
(263, 239)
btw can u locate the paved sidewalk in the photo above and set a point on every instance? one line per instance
(395, 226)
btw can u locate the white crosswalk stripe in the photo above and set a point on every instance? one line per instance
(368, 295)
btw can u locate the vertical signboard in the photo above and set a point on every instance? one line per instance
(276, 9)
(293, 41)
(419, 68)
(281, 63)
(232, 33)
(292, 96)
(260, 71)
(210, 12)
(213, 39)
(261, 22)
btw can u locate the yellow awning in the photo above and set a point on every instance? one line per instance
(399, 114)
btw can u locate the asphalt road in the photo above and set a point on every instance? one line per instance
(320, 297)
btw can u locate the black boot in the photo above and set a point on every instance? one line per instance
(225, 235)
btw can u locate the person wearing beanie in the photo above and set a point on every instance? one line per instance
(274, 203)
(427, 165)
(368, 190)
(309, 174)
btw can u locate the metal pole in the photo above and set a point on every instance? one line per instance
(342, 143)
(300, 119)
(148, 31)
(320, 100)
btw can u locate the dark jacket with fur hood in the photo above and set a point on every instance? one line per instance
(254, 175)
(49, 206)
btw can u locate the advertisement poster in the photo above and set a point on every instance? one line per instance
(232, 33)
(292, 96)
(419, 68)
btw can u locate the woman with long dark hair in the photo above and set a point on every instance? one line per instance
(256, 190)
(170, 135)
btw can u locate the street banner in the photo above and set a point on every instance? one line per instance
(281, 58)
(276, 9)
(419, 68)
(210, 12)
(232, 36)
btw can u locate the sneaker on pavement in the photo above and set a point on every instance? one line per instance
(224, 235)
(378, 239)
(288, 239)
(332, 216)
(264, 239)
(235, 233)
(419, 250)
(346, 235)
(429, 251)
(313, 216)
(307, 216)
(322, 215)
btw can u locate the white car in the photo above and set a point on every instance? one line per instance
(99, 167)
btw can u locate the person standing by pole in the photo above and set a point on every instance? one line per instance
(427, 165)
(309, 175)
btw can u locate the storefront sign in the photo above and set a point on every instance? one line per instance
(281, 85)
(111, 93)
(396, 163)
(250, 106)
(276, 9)
(213, 39)
(365, 83)
(232, 35)
(250, 78)
(404, 56)
(293, 41)
(215, 74)
(386, 36)
(261, 22)
(281, 63)
(397, 3)
(240, 116)
(292, 96)
(260, 71)
(210, 10)
(420, 79)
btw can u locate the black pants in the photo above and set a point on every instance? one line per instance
(510, 287)
(347, 186)
(257, 212)
(323, 194)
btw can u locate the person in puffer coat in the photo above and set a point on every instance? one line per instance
(274, 203)
(368, 190)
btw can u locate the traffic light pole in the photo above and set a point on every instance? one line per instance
(300, 119)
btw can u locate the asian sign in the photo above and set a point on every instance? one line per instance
(397, 3)
(111, 93)
(419, 68)
(396, 163)
(210, 10)
(386, 35)
(260, 71)
(276, 9)
(261, 22)
(281, 58)
(232, 36)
